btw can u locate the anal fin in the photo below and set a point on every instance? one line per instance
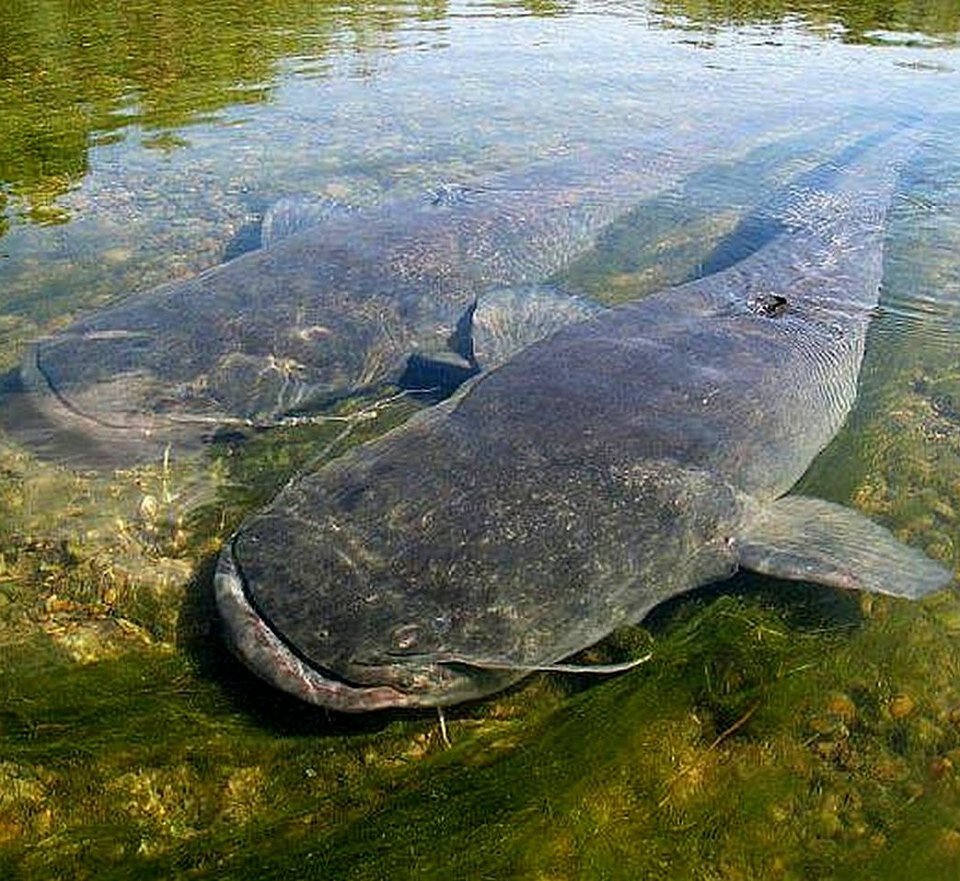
(806, 539)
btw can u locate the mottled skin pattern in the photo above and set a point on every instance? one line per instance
(329, 310)
(620, 461)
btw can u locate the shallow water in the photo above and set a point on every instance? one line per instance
(781, 730)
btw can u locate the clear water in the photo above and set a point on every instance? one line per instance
(781, 731)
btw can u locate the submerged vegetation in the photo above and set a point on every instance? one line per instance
(855, 21)
(771, 736)
(155, 66)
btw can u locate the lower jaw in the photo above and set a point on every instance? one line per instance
(263, 652)
(52, 427)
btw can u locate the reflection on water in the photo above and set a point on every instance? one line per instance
(77, 75)
(74, 76)
(781, 731)
(852, 21)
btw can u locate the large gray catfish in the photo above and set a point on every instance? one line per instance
(618, 462)
(339, 302)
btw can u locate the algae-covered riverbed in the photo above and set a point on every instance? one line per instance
(780, 730)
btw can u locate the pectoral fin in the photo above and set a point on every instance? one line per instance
(493, 328)
(806, 539)
(293, 214)
(507, 320)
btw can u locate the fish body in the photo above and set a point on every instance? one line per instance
(333, 305)
(620, 461)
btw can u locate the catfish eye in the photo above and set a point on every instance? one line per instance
(770, 305)
(406, 637)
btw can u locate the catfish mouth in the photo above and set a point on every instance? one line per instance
(99, 427)
(58, 403)
(36, 419)
(49, 422)
(263, 651)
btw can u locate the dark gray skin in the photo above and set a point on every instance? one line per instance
(332, 308)
(623, 460)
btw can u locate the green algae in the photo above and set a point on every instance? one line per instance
(762, 741)
(72, 72)
(864, 21)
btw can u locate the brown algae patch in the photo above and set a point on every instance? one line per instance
(23, 800)
(88, 639)
(85, 560)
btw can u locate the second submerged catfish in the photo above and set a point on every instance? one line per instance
(338, 302)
